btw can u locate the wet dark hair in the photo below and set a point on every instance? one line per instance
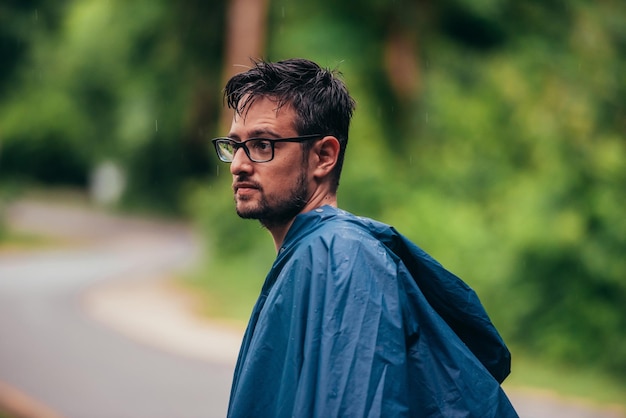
(317, 95)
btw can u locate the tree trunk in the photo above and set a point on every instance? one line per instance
(245, 40)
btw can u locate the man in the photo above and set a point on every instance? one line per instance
(353, 319)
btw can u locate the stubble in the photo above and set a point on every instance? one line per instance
(277, 211)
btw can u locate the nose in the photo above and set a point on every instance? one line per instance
(241, 163)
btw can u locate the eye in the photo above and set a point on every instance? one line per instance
(260, 145)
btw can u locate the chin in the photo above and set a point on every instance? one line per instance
(247, 210)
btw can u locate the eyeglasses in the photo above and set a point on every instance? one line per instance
(259, 150)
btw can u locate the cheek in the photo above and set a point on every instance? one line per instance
(285, 174)
(282, 182)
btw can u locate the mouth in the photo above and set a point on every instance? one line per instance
(245, 187)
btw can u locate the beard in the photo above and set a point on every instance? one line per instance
(280, 210)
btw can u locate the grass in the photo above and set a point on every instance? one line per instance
(578, 382)
(11, 240)
(229, 291)
(17, 241)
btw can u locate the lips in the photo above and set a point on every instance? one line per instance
(245, 186)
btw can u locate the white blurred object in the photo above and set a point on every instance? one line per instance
(107, 183)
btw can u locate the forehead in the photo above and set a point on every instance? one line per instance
(264, 111)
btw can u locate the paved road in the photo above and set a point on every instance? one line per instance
(74, 367)
(56, 360)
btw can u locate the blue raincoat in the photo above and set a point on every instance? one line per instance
(354, 320)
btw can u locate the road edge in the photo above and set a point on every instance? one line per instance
(20, 405)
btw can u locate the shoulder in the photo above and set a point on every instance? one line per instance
(341, 237)
(327, 235)
(339, 228)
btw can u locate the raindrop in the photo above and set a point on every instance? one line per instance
(36, 14)
(426, 117)
(156, 125)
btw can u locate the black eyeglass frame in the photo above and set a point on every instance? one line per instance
(242, 144)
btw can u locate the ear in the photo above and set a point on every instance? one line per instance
(325, 153)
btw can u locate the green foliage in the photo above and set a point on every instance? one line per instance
(578, 381)
(110, 80)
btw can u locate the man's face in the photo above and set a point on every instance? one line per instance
(273, 192)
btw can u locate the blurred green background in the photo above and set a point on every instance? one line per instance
(491, 132)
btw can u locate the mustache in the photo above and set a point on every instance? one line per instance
(243, 181)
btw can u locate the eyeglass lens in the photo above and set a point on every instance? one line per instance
(258, 150)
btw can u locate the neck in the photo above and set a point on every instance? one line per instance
(279, 231)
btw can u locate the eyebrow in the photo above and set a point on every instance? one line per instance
(257, 133)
